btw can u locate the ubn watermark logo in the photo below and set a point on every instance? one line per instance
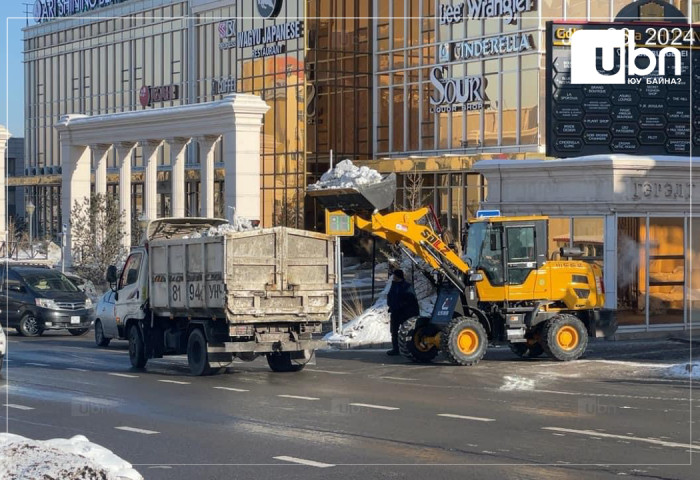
(592, 406)
(611, 57)
(85, 407)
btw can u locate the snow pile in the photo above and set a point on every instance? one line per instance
(684, 370)
(239, 224)
(60, 458)
(373, 325)
(346, 175)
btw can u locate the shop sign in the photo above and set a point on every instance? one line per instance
(477, 9)
(492, 46)
(223, 86)
(269, 8)
(45, 10)
(227, 33)
(456, 94)
(149, 95)
(270, 37)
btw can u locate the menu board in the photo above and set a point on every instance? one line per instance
(649, 115)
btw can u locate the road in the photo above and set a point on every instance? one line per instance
(361, 414)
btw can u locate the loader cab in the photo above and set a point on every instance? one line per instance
(507, 249)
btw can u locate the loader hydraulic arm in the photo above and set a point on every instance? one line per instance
(421, 240)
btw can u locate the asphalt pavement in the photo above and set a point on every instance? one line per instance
(360, 414)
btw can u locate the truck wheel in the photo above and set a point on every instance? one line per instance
(137, 350)
(197, 356)
(100, 339)
(411, 343)
(29, 326)
(282, 362)
(523, 350)
(464, 341)
(565, 337)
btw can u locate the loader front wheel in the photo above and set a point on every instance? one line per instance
(197, 356)
(565, 338)
(464, 341)
(413, 341)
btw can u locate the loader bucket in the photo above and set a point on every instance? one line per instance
(363, 198)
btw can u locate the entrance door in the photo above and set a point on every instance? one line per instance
(521, 260)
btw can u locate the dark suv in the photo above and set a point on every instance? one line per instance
(40, 298)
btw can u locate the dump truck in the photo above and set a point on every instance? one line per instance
(503, 287)
(220, 296)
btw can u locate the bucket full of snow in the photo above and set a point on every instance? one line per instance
(354, 189)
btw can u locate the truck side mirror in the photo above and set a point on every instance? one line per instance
(111, 275)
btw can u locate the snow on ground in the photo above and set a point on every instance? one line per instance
(684, 370)
(372, 326)
(346, 175)
(60, 459)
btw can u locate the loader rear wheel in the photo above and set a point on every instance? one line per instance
(282, 362)
(525, 350)
(197, 356)
(412, 344)
(464, 341)
(565, 338)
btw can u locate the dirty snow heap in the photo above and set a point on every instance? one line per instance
(239, 224)
(60, 458)
(346, 175)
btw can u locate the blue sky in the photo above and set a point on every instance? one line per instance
(12, 113)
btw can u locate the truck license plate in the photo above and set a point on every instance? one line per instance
(74, 320)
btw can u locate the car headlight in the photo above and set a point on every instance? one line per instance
(88, 303)
(46, 303)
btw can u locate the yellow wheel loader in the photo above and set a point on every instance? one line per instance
(502, 288)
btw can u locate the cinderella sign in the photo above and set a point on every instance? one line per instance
(45, 10)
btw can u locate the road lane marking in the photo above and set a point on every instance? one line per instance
(231, 389)
(398, 378)
(302, 461)
(369, 405)
(298, 397)
(604, 395)
(137, 430)
(175, 381)
(38, 364)
(654, 441)
(125, 375)
(18, 407)
(465, 417)
(77, 369)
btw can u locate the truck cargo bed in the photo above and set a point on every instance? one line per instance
(261, 276)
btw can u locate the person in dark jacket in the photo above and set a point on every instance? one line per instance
(403, 305)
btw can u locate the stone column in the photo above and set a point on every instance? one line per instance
(150, 150)
(207, 144)
(242, 157)
(75, 186)
(178, 146)
(124, 151)
(100, 153)
(4, 137)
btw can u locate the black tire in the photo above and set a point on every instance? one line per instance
(523, 350)
(565, 337)
(29, 326)
(100, 339)
(410, 341)
(282, 362)
(197, 356)
(137, 350)
(464, 341)
(76, 332)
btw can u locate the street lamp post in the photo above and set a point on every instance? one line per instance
(29, 207)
